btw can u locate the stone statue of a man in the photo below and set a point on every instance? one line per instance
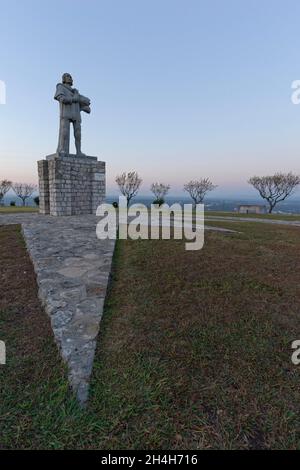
(71, 104)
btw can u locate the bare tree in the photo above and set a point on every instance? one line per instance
(275, 188)
(159, 190)
(199, 188)
(129, 184)
(24, 191)
(5, 186)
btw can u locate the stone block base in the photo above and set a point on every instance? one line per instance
(71, 185)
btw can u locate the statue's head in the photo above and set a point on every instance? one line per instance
(67, 79)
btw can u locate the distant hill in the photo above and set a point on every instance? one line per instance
(214, 204)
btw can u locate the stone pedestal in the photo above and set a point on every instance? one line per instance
(71, 185)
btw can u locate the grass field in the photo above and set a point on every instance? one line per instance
(17, 209)
(194, 350)
(289, 217)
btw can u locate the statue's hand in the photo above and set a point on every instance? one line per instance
(66, 101)
(86, 109)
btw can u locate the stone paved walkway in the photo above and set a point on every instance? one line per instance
(72, 268)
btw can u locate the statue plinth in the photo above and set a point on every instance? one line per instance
(53, 156)
(71, 185)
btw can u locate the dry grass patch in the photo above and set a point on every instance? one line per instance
(194, 349)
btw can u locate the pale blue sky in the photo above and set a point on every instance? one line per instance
(180, 89)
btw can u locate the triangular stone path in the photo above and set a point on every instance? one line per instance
(72, 267)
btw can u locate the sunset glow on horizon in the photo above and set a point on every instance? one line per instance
(179, 90)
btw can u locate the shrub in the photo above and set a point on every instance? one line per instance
(160, 201)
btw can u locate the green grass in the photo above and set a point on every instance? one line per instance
(17, 209)
(194, 349)
(289, 217)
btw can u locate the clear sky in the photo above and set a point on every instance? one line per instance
(180, 88)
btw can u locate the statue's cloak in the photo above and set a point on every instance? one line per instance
(69, 110)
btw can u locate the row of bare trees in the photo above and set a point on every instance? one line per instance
(22, 190)
(129, 185)
(273, 189)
